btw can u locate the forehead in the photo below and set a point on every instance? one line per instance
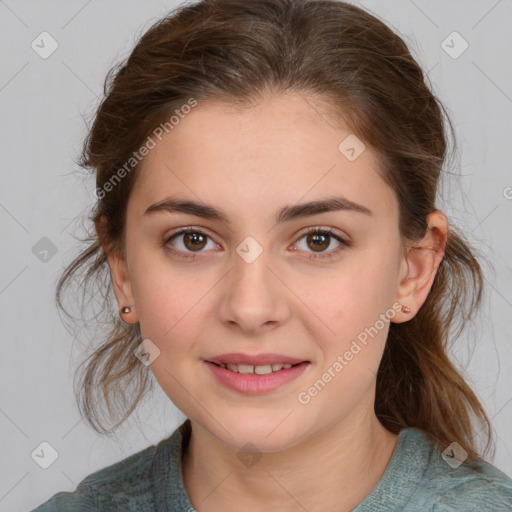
(280, 151)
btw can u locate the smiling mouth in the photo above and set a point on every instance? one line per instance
(264, 369)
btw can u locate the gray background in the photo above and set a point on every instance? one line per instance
(44, 194)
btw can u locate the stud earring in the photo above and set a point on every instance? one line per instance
(125, 310)
(405, 309)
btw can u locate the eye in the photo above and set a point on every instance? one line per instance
(320, 239)
(193, 240)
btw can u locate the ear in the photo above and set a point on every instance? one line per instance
(419, 266)
(121, 282)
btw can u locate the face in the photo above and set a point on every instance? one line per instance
(249, 284)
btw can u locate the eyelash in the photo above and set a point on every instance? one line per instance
(312, 256)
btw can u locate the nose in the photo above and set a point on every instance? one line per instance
(253, 295)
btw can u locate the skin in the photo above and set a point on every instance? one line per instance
(329, 453)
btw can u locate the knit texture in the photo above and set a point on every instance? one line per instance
(417, 479)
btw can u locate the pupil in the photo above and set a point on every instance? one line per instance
(316, 238)
(196, 239)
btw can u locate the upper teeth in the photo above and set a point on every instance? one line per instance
(259, 369)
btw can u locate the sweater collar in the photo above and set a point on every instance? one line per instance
(391, 492)
(169, 489)
(403, 474)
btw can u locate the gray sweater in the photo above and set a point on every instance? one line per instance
(417, 479)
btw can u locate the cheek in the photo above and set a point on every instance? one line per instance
(346, 303)
(358, 317)
(168, 304)
(349, 316)
(170, 310)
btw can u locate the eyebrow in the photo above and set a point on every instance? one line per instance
(285, 214)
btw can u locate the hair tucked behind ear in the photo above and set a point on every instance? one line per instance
(241, 51)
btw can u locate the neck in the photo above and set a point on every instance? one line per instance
(333, 470)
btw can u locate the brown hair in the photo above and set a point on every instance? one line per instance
(238, 51)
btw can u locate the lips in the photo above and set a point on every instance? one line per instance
(254, 360)
(256, 384)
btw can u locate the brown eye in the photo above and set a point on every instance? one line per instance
(191, 241)
(318, 241)
(194, 241)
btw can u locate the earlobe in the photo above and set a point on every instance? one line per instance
(122, 288)
(120, 281)
(420, 265)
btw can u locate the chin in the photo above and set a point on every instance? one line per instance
(268, 433)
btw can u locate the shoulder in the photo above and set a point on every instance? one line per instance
(473, 486)
(468, 486)
(125, 485)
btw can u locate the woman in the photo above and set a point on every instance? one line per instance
(266, 181)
